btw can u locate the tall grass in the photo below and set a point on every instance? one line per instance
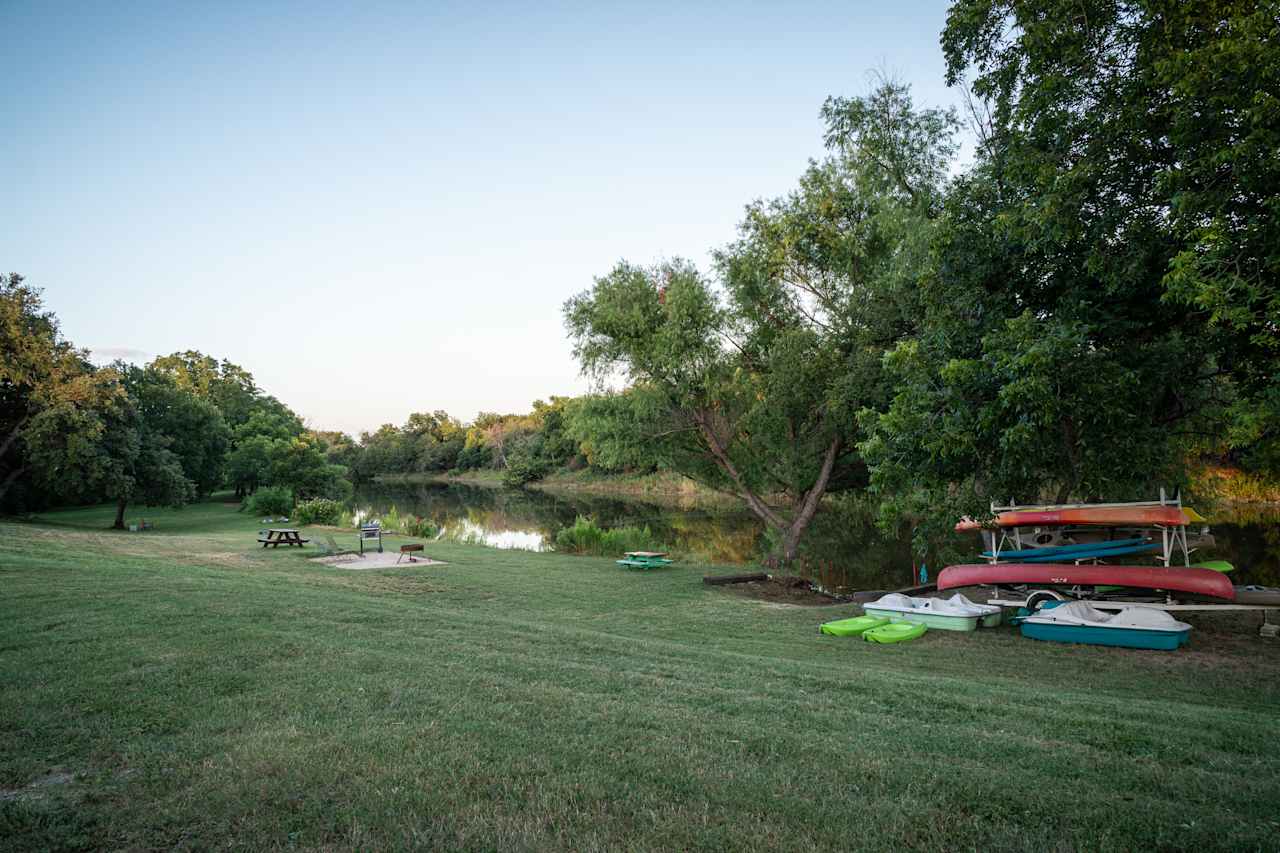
(587, 537)
(269, 500)
(1231, 485)
(393, 522)
(317, 511)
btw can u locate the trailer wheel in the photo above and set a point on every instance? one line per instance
(1037, 599)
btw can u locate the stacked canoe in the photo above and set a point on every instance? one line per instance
(1067, 552)
(1086, 540)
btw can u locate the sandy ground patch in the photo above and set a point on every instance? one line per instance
(374, 560)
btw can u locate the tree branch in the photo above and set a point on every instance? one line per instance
(721, 456)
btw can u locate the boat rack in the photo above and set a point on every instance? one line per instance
(1172, 539)
(1119, 604)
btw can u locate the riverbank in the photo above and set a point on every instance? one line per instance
(185, 687)
(659, 487)
(1237, 491)
(1217, 488)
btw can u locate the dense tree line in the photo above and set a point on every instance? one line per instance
(1078, 313)
(524, 447)
(162, 434)
(187, 424)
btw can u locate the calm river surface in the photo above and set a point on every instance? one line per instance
(854, 554)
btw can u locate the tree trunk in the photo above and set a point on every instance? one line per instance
(806, 504)
(120, 505)
(791, 544)
(789, 547)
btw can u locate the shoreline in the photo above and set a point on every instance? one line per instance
(665, 488)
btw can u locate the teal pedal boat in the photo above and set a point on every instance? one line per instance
(1134, 627)
(852, 627)
(956, 613)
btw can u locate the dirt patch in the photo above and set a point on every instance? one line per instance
(374, 560)
(782, 589)
(1230, 639)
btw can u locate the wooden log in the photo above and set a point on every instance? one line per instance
(875, 594)
(721, 580)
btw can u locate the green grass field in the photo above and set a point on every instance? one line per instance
(183, 688)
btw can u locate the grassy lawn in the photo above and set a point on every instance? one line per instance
(184, 688)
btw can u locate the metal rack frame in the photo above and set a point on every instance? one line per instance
(1171, 539)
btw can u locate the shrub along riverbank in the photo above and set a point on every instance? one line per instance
(183, 686)
(1212, 486)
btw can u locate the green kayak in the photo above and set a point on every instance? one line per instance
(852, 627)
(895, 632)
(1217, 565)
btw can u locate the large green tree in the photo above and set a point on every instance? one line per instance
(1102, 284)
(299, 465)
(37, 368)
(267, 424)
(228, 386)
(94, 442)
(1139, 139)
(754, 387)
(192, 427)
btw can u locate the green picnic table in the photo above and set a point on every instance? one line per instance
(645, 560)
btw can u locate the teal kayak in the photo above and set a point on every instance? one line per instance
(852, 627)
(1094, 553)
(894, 632)
(1063, 550)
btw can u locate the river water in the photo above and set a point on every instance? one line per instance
(847, 551)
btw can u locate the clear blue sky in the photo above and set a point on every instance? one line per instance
(380, 208)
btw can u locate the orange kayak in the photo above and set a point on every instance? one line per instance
(1108, 516)
(1111, 516)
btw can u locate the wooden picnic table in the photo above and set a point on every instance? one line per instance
(278, 536)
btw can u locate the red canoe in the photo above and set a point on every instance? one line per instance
(1111, 516)
(1185, 580)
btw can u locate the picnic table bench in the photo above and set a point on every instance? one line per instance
(277, 536)
(645, 560)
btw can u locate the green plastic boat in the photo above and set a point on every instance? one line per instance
(852, 627)
(1217, 566)
(894, 632)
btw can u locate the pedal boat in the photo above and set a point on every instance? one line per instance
(953, 614)
(1079, 622)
